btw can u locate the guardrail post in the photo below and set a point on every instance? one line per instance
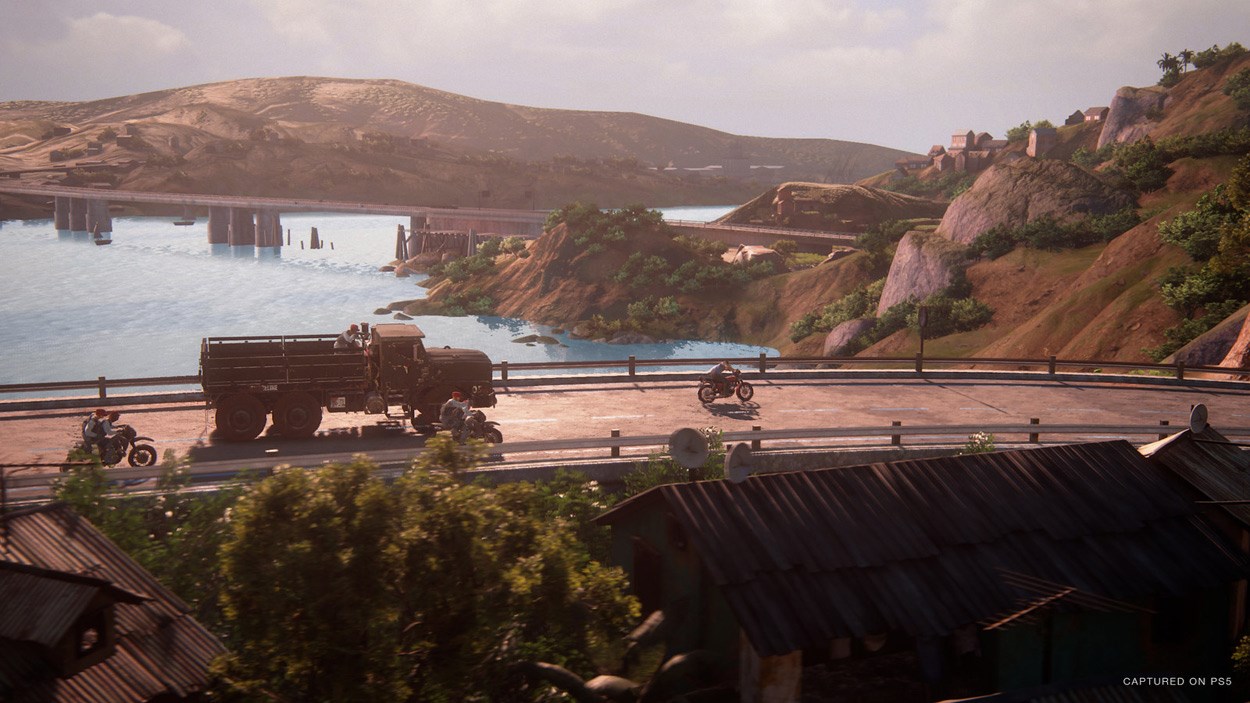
(633, 365)
(919, 362)
(1050, 365)
(1180, 370)
(1163, 423)
(755, 443)
(103, 387)
(503, 370)
(1033, 435)
(616, 450)
(763, 362)
(895, 439)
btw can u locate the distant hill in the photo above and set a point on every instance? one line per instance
(337, 137)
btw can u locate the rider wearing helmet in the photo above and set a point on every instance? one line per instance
(93, 432)
(453, 412)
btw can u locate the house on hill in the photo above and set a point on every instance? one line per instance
(980, 573)
(969, 152)
(1096, 114)
(81, 621)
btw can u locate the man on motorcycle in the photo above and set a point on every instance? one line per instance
(451, 415)
(93, 432)
(716, 375)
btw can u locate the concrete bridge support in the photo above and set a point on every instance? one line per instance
(78, 215)
(242, 229)
(60, 213)
(98, 218)
(471, 245)
(218, 225)
(401, 244)
(268, 229)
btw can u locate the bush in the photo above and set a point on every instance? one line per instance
(1197, 231)
(947, 185)
(597, 230)
(1047, 234)
(640, 271)
(1020, 133)
(1237, 87)
(1214, 55)
(878, 244)
(701, 248)
(860, 302)
(1142, 166)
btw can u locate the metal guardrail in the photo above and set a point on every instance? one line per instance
(505, 371)
(392, 461)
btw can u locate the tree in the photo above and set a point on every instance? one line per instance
(340, 587)
(1186, 57)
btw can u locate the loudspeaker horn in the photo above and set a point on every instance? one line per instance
(739, 463)
(1198, 418)
(688, 447)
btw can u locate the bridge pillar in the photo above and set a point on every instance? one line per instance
(218, 224)
(242, 229)
(411, 244)
(60, 214)
(268, 229)
(98, 218)
(418, 222)
(401, 244)
(78, 215)
(471, 245)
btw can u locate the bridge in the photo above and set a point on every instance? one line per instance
(256, 221)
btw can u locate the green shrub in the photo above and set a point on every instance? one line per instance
(641, 271)
(1237, 87)
(597, 230)
(1142, 165)
(878, 244)
(947, 185)
(1047, 234)
(1020, 133)
(1214, 55)
(1197, 231)
(860, 302)
(708, 249)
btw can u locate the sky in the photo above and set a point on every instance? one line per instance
(899, 73)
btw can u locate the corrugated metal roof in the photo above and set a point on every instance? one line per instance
(920, 545)
(161, 649)
(1217, 471)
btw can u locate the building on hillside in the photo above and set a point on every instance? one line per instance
(980, 573)
(81, 621)
(1041, 140)
(1096, 114)
(913, 163)
(1077, 117)
(969, 151)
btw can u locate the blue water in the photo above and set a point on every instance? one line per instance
(71, 310)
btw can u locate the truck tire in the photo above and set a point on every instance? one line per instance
(240, 417)
(297, 415)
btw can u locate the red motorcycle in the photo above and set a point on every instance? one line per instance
(730, 384)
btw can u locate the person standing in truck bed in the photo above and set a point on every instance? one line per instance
(349, 340)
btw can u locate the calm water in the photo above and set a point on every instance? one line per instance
(139, 307)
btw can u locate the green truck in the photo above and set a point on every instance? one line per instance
(297, 378)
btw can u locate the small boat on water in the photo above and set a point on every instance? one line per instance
(185, 221)
(101, 238)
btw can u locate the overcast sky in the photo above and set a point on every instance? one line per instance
(898, 73)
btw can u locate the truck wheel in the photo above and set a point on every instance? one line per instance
(240, 417)
(297, 415)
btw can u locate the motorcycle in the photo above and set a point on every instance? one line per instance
(731, 384)
(124, 444)
(478, 427)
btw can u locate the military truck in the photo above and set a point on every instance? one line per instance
(295, 378)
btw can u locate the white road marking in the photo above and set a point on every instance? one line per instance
(538, 419)
(812, 410)
(616, 417)
(910, 409)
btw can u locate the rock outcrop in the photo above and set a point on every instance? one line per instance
(1132, 111)
(1218, 344)
(924, 264)
(832, 207)
(1015, 193)
(840, 336)
(1238, 356)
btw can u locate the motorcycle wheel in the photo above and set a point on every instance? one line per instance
(493, 436)
(706, 394)
(745, 391)
(142, 455)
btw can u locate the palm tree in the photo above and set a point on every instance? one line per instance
(1186, 57)
(1169, 63)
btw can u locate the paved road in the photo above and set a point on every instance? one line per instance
(561, 412)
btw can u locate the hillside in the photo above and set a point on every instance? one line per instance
(1060, 254)
(323, 137)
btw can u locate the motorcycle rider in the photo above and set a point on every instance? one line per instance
(93, 433)
(451, 415)
(349, 340)
(716, 375)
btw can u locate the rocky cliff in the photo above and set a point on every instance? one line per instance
(924, 264)
(1024, 190)
(1132, 114)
